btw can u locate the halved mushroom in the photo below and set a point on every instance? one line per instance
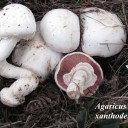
(78, 74)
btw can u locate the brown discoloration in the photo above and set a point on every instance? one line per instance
(83, 18)
(49, 69)
(65, 26)
(1, 9)
(26, 85)
(21, 101)
(39, 46)
(37, 80)
(92, 10)
(19, 89)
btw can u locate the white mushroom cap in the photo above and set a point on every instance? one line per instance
(60, 30)
(36, 56)
(18, 21)
(103, 32)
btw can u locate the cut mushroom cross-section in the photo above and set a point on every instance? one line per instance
(78, 74)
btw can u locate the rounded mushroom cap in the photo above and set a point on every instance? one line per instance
(69, 61)
(60, 30)
(18, 21)
(103, 32)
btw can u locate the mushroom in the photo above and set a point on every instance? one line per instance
(103, 32)
(60, 30)
(78, 74)
(36, 56)
(16, 22)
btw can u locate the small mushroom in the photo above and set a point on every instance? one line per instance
(36, 56)
(103, 32)
(16, 22)
(60, 30)
(78, 74)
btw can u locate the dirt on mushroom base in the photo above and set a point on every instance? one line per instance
(48, 106)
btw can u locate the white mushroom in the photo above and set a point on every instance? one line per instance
(78, 74)
(36, 56)
(60, 30)
(16, 22)
(26, 83)
(103, 32)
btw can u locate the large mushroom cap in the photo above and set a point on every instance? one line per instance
(103, 32)
(17, 20)
(60, 30)
(70, 61)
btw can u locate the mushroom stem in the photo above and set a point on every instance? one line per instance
(78, 74)
(12, 32)
(75, 88)
(26, 83)
(10, 71)
(6, 47)
(80, 78)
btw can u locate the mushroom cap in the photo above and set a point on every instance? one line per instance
(60, 30)
(18, 21)
(103, 32)
(69, 61)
